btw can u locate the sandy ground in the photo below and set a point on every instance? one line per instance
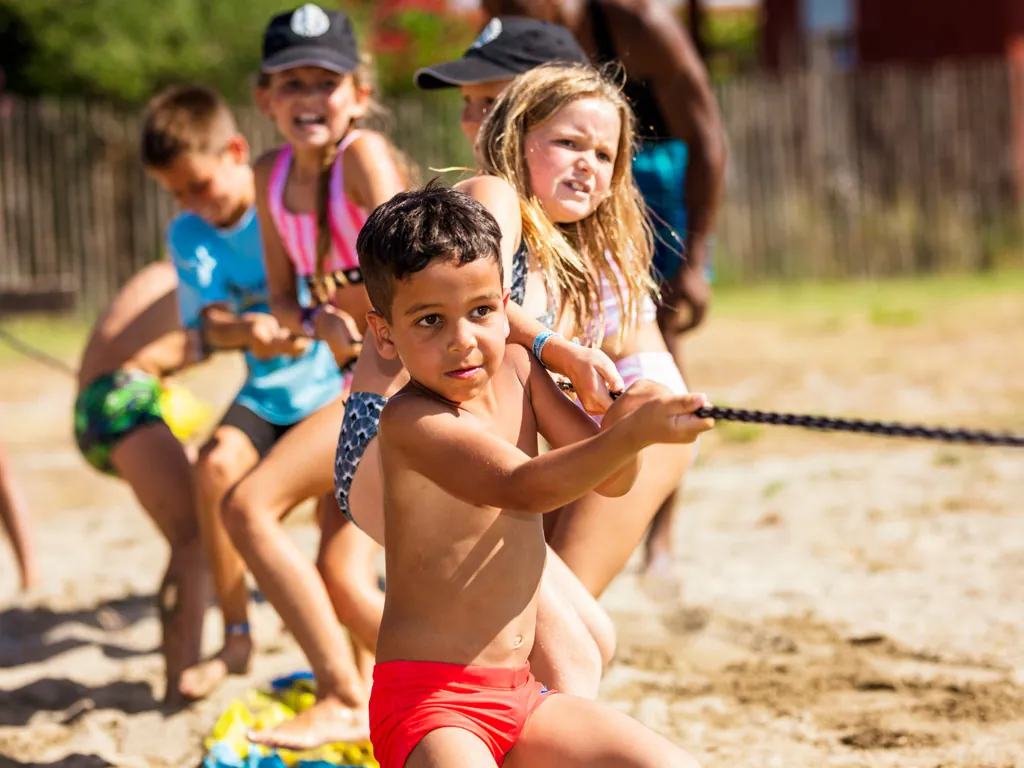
(847, 601)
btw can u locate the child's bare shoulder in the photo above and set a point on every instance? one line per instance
(520, 361)
(409, 415)
(408, 403)
(490, 190)
(368, 135)
(367, 146)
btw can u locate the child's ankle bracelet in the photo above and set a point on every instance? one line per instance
(236, 630)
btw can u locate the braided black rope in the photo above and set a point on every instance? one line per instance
(860, 426)
(35, 353)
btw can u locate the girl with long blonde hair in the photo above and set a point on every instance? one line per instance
(555, 154)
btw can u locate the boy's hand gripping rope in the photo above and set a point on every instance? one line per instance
(829, 424)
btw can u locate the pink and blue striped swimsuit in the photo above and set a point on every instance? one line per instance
(298, 231)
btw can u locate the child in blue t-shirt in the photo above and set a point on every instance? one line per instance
(192, 147)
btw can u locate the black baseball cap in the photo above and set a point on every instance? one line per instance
(507, 46)
(310, 37)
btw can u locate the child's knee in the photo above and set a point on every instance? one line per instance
(335, 575)
(220, 463)
(182, 534)
(344, 596)
(332, 571)
(347, 584)
(240, 514)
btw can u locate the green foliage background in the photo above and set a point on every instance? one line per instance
(125, 50)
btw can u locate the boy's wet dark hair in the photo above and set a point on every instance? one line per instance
(414, 228)
(182, 120)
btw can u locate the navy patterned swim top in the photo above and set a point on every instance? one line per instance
(520, 263)
(517, 291)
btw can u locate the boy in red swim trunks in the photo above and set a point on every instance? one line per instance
(463, 489)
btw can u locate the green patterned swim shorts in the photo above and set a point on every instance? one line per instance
(111, 408)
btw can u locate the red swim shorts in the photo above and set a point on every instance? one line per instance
(409, 699)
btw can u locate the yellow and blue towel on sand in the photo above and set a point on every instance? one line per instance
(228, 747)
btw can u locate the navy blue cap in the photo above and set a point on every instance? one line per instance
(507, 46)
(310, 37)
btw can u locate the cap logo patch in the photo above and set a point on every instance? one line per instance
(489, 34)
(310, 21)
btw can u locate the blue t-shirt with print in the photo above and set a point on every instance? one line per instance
(225, 266)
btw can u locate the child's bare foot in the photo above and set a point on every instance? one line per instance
(235, 658)
(326, 722)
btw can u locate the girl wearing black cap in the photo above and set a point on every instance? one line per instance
(507, 46)
(312, 196)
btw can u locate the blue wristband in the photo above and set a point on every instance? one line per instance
(539, 342)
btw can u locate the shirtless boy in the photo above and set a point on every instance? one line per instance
(464, 489)
(123, 428)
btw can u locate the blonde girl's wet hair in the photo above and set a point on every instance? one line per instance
(615, 242)
(324, 285)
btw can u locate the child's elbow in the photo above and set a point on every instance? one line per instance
(615, 487)
(534, 504)
(521, 498)
(522, 490)
(621, 482)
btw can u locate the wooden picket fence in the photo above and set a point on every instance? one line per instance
(831, 175)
